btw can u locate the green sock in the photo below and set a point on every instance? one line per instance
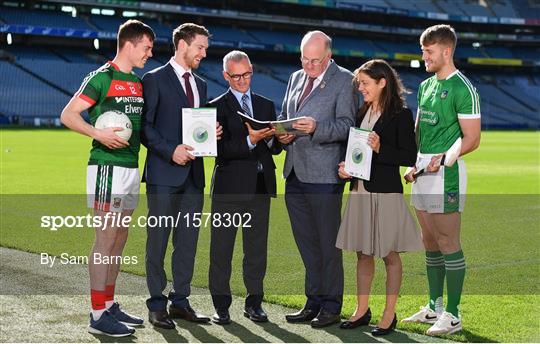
(455, 275)
(435, 274)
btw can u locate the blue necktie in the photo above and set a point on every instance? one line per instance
(245, 105)
(247, 111)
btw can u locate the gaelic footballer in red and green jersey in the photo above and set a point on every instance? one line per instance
(107, 88)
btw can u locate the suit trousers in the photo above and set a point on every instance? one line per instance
(254, 242)
(167, 208)
(315, 215)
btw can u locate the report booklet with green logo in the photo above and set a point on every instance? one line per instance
(199, 130)
(358, 156)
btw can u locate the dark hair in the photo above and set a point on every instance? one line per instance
(442, 34)
(392, 98)
(133, 31)
(187, 32)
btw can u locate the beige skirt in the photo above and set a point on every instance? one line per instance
(376, 224)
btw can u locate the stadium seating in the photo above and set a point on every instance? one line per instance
(227, 33)
(276, 37)
(42, 18)
(48, 76)
(111, 24)
(526, 8)
(23, 95)
(507, 101)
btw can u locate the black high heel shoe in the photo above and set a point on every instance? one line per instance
(363, 320)
(379, 331)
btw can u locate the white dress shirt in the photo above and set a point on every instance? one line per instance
(180, 71)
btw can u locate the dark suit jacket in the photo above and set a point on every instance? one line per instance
(235, 171)
(398, 148)
(161, 127)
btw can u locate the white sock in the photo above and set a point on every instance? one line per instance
(96, 313)
(108, 304)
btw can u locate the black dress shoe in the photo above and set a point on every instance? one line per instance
(303, 315)
(325, 318)
(379, 331)
(187, 313)
(362, 321)
(255, 313)
(161, 319)
(221, 317)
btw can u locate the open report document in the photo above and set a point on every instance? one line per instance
(282, 127)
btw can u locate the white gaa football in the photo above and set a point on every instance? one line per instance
(115, 119)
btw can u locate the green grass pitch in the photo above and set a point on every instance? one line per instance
(500, 230)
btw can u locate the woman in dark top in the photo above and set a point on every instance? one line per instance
(377, 222)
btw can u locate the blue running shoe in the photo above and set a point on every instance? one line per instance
(124, 317)
(109, 326)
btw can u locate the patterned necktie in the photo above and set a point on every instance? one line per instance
(245, 105)
(189, 91)
(307, 91)
(247, 111)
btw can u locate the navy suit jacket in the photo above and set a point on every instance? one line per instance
(398, 148)
(161, 127)
(235, 170)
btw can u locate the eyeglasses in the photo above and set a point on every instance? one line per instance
(314, 62)
(245, 76)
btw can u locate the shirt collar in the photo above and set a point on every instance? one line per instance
(238, 95)
(114, 65)
(320, 77)
(178, 68)
(452, 74)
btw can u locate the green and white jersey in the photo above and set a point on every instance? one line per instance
(440, 104)
(107, 88)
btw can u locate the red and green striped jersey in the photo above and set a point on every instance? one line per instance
(441, 103)
(107, 88)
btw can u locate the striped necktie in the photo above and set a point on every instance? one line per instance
(247, 111)
(245, 105)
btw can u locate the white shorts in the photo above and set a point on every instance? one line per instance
(441, 192)
(112, 188)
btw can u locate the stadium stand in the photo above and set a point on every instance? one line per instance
(22, 95)
(111, 24)
(49, 74)
(42, 18)
(225, 33)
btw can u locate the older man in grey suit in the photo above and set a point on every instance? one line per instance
(323, 92)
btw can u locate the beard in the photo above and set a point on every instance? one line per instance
(432, 68)
(190, 61)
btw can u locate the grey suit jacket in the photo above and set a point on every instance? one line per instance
(333, 104)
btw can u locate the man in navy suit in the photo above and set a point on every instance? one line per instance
(244, 180)
(174, 177)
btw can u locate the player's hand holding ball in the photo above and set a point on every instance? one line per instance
(114, 129)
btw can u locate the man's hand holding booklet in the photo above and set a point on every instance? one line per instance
(281, 127)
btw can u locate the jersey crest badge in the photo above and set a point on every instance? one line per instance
(444, 94)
